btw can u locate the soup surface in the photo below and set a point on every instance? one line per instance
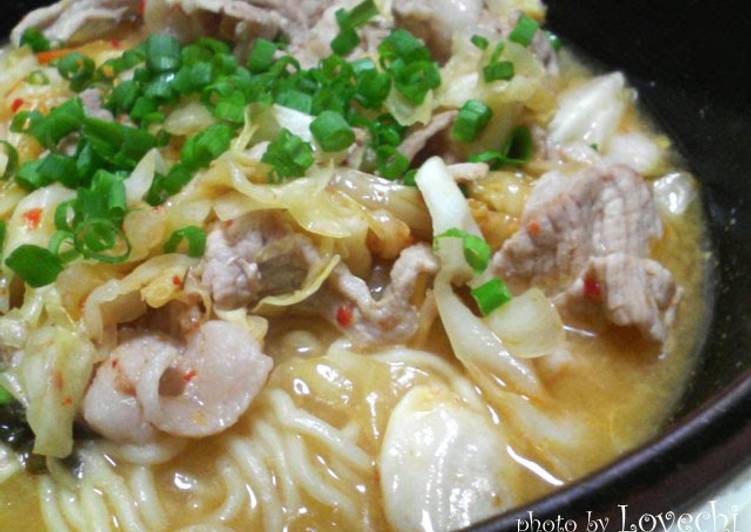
(370, 266)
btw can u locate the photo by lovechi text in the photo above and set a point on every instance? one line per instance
(710, 518)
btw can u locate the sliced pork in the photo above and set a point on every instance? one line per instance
(348, 303)
(627, 291)
(419, 137)
(152, 384)
(593, 230)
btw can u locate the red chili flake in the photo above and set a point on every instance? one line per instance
(16, 105)
(33, 217)
(190, 375)
(142, 7)
(534, 228)
(177, 281)
(115, 43)
(344, 315)
(592, 288)
(115, 362)
(67, 401)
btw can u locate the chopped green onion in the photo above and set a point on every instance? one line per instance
(76, 68)
(163, 53)
(358, 15)
(28, 176)
(231, 107)
(123, 97)
(36, 265)
(118, 144)
(332, 132)
(35, 39)
(168, 185)
(555, 41)
(288, 155)
(56, 167)
(491, 295)
(401, 44)
(11, 160)
(345, 42)
(51, 129)
(295, 99)
(497, 51)
(261, 56)
(6, 397)
(516, 150)
(195, 238)
(477, 252)
(38, 77)
(409, 178)
(480, 42)
(525, 30)
(57, 240)
(95, 236)
(392, 164)
(471, 120)
(201, 149)
(416, 79)
(500, 70)
(372, 88)
(518, 147)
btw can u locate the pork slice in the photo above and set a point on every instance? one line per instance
(586, 241)
(76, 21)
(153, 384)
(419, 137)
(568, 220)
(347, 302)
(255, 256)
(627, 291)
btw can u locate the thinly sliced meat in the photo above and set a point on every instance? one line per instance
(110, 406)
(568, 220)
(222, 370)
(436, 21)
(255, 256)
(586, 240)
(77, 21)
(348, 303)
(151, 384)
(418, 138)
(627, 291)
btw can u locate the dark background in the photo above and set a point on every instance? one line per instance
(691, 61)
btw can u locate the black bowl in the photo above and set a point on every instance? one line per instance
(690, 60)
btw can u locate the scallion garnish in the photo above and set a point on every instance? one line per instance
(471, 120)
(76, 68)
(392, 164)
(195, 237)
(11, 160)
(332, 132)
(261, 56)
(516, 150)
(36, 265)
(348, 21)
(524, 31)
(288, 155)
(477, 252)
(491, 296)
(201, 149)
(500, 70)
(555, 41)
(480, 42)
(36, 40)
(163, 53)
